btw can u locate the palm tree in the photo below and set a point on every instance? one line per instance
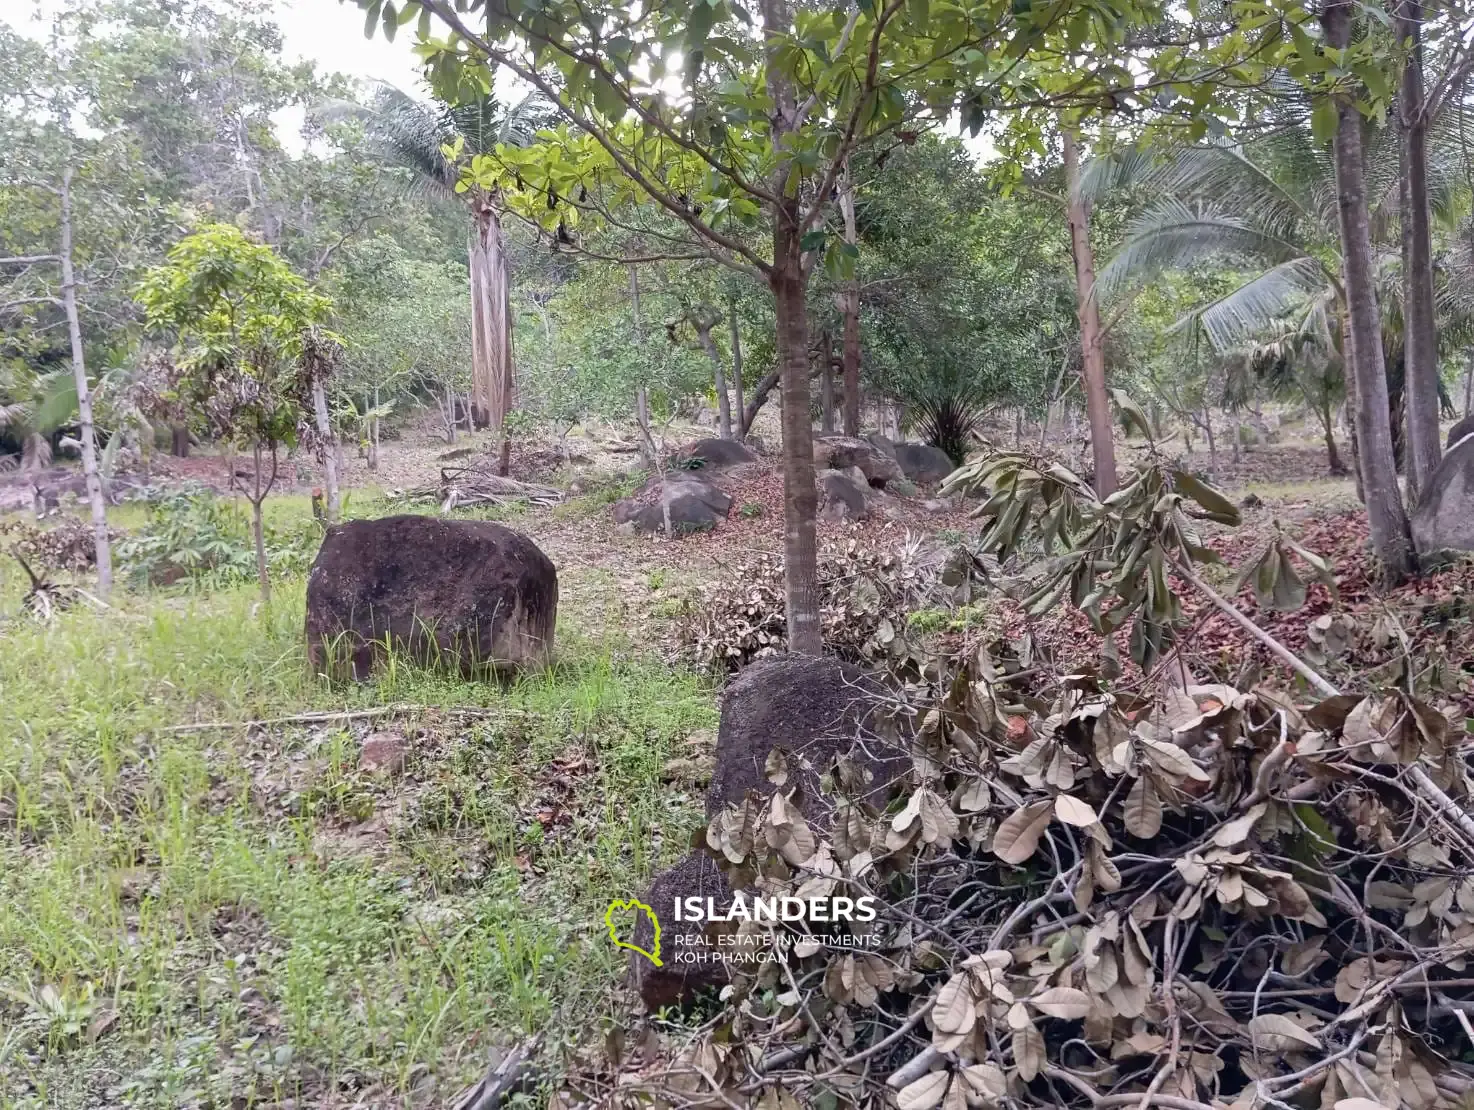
(414, 135)
(1270, 208)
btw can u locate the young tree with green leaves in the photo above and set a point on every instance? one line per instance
(775, 101)
(248, 347)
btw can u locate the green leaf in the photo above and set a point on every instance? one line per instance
(1215, 506)
(391, 20)
(1323, 120)
(813, 240)
(371, 18)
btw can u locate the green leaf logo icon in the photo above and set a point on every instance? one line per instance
(622, 906)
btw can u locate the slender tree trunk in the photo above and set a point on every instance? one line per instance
(642, 396)
(724, 402)
(1391, 538)
(373, 436)
(258, 529)
(736, 363)
(493, 369)
(1236, 432)
(1420, 359)
(1469, 387)
(826, 384)
(1097, 400)
(849, 298)
(329, 441)
(95, 498)
(179, 441)
(786, 278)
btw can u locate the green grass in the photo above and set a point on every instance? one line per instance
(191, 917)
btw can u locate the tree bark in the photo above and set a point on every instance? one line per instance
(179, 441)
(1391, 538)
(642, 396)
(1097, 400)
(1420, 340)
(90, 471)
(329, 457)
(258, 529)
(493, 371)
(759, 398)
(850, 314)
(724, 402)
(787, 280)
(826, 384)
(1212, 443)
(736, 361)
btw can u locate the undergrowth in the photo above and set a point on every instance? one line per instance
(224, 916)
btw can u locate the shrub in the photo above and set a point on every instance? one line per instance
(194, 535)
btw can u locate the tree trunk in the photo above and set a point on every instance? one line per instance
(373, 436)
(1097, 400)
(258, 530)
(329, 459)
(724, 402)
(759, 398)
(1212, 443)
(179, 441)
(1391, 539)
(642, 397)
(826, 384)
(1469, 387)
(1236, 431)
(786, 279)
(849, 298)
(493, 371)
(1420, 359)
(90, 471)
(736, 362)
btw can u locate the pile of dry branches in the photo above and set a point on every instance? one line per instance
(477, 483)
(1220, 899)
(866, 596)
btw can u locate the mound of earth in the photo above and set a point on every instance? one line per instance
(812, 709)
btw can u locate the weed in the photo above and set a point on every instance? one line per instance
(750, 510)
(240, 915)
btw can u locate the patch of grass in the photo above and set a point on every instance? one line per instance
(192, 917)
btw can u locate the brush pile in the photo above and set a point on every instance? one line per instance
(1218, 899)
(866, 595)
(477, 483)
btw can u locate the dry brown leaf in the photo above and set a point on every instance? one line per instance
(953, 1012)
(1018, 835)
(1143, 812)
(1278, 1034)
(1028, 1053)
(924, 1093)
(1072, 811)
(1068, 1003)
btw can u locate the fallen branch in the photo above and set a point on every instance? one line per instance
(328, 716)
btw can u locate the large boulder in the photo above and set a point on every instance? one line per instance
(843, 452)
(1444, 518)
(923, 463)
(693, 504)
(713, 454)
(468, 593)
(843, 495)
(815, 709)
(1464, 427)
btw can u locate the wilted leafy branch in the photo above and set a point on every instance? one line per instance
(1216, 899)
(1120, 559)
